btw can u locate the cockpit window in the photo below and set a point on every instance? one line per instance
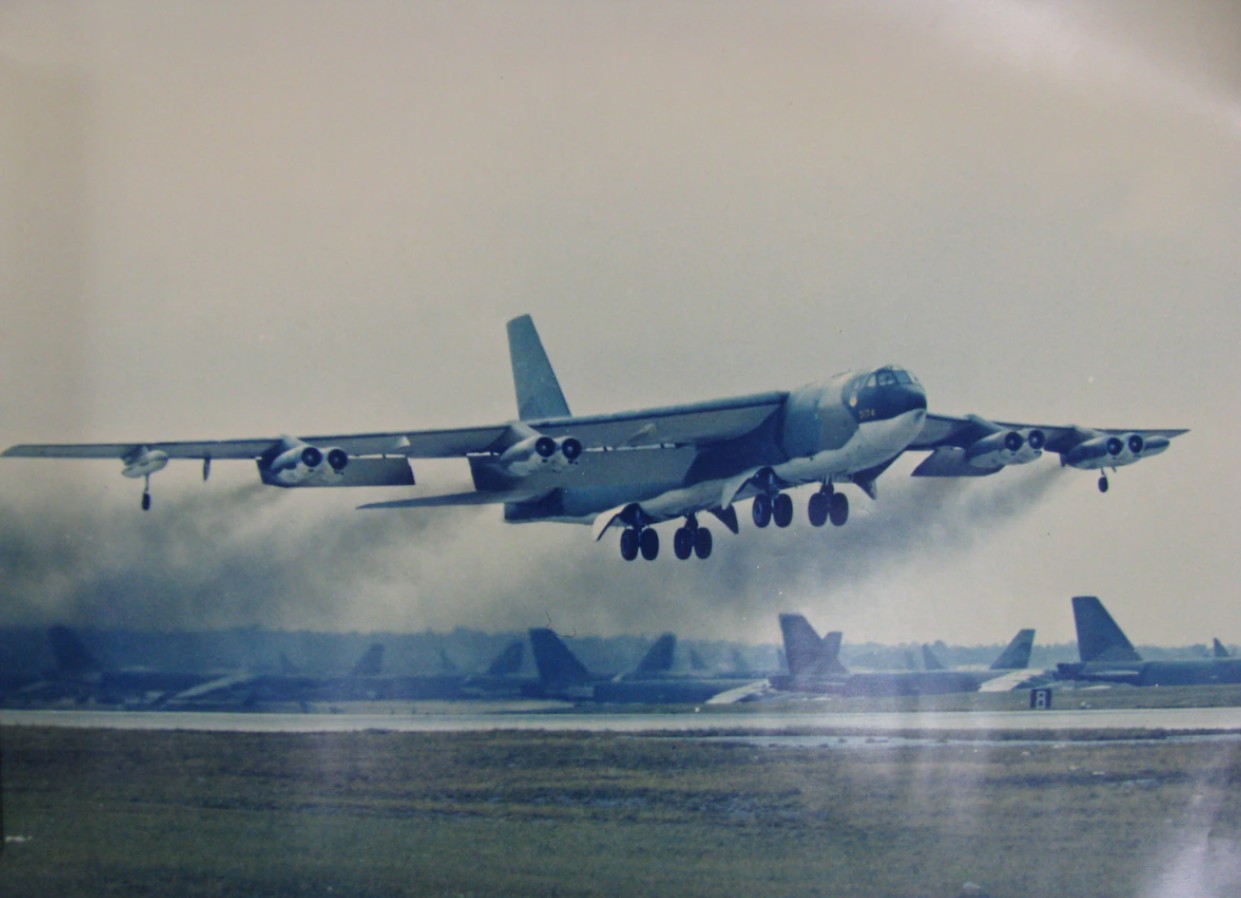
(886, 379)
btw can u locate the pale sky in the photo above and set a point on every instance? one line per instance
(246, 219)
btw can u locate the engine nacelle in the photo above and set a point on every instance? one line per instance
(303, 463)
(1101, 452)
(541, 453)
(1006, 447)
(144, 462)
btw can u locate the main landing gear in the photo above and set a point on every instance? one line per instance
(776, 507)
(146, 493)
(825, 505)
(1103, 483)
(828, 505)
(690, 539)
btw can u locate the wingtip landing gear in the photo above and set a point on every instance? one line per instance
(146, 493)
(1103, 483)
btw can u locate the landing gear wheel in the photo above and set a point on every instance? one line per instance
(683, 543)
(702, 542)
(146, 501)
(838, 509)
(648, 542)
(1103, 483)
(761, 510)
(782, 509)
(818, 509)
(629, 544)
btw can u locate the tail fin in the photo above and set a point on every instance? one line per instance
(1098, 636)
(801, 643)
(508, 662)
(806, 652)
(658, 658)
(72, 655)
(930, 660)
(538, 390)
(1016, 655)
(1218, 650)
(556, 664)
(371, 664)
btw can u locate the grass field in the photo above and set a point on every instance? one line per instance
(97, 812)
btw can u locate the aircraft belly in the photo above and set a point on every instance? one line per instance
(873, 443)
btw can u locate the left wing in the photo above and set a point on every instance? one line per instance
(971, 446)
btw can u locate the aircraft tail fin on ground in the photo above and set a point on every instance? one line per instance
(555, 663)
(930, 660)
(801, 643)
(371, 664)
(508, 662)
(538, 390)
(658, 658)
(1218, 650)
(805, 651)
(1016, 655)
(1098, 636)
(72, 655)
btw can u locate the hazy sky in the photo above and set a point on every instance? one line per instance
(243, 219)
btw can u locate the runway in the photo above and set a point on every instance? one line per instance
(1146, 719)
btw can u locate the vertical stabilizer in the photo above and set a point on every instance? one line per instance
(1218, 650)
(556, 664)
(508, 662)
(371, 664)
(538, 390)
(930, 660)
(808, 654)
(1098, 636)
(1016, 656)
(801, 643)
(658, 658)
(72, 655)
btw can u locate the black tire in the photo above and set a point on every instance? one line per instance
(629, 544)
(648, 542)
(683, 543)
(146, 501)
(838, 509)
(702, 542)
(782, 509)
(1103, 484)
(761, 510)
(817, 509)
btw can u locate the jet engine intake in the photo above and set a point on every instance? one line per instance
(302, 463)
(1101, 452)
(1006, 447)
(541, 453)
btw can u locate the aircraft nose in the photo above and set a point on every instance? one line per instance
(902, 398)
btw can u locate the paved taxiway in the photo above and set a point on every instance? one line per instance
(1170, 719)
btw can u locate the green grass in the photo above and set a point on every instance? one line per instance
(517, 813)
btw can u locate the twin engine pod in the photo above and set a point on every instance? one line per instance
(1111, 451)
(1006, 447)
(300, 463)
(540, 453)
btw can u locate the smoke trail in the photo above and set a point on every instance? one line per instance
(250, 555)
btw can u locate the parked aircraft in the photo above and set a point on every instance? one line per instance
(562, 675)
(1107, 656)
(633, 470)
(814, 666)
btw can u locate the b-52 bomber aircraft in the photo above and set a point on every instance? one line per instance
(633, 470)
